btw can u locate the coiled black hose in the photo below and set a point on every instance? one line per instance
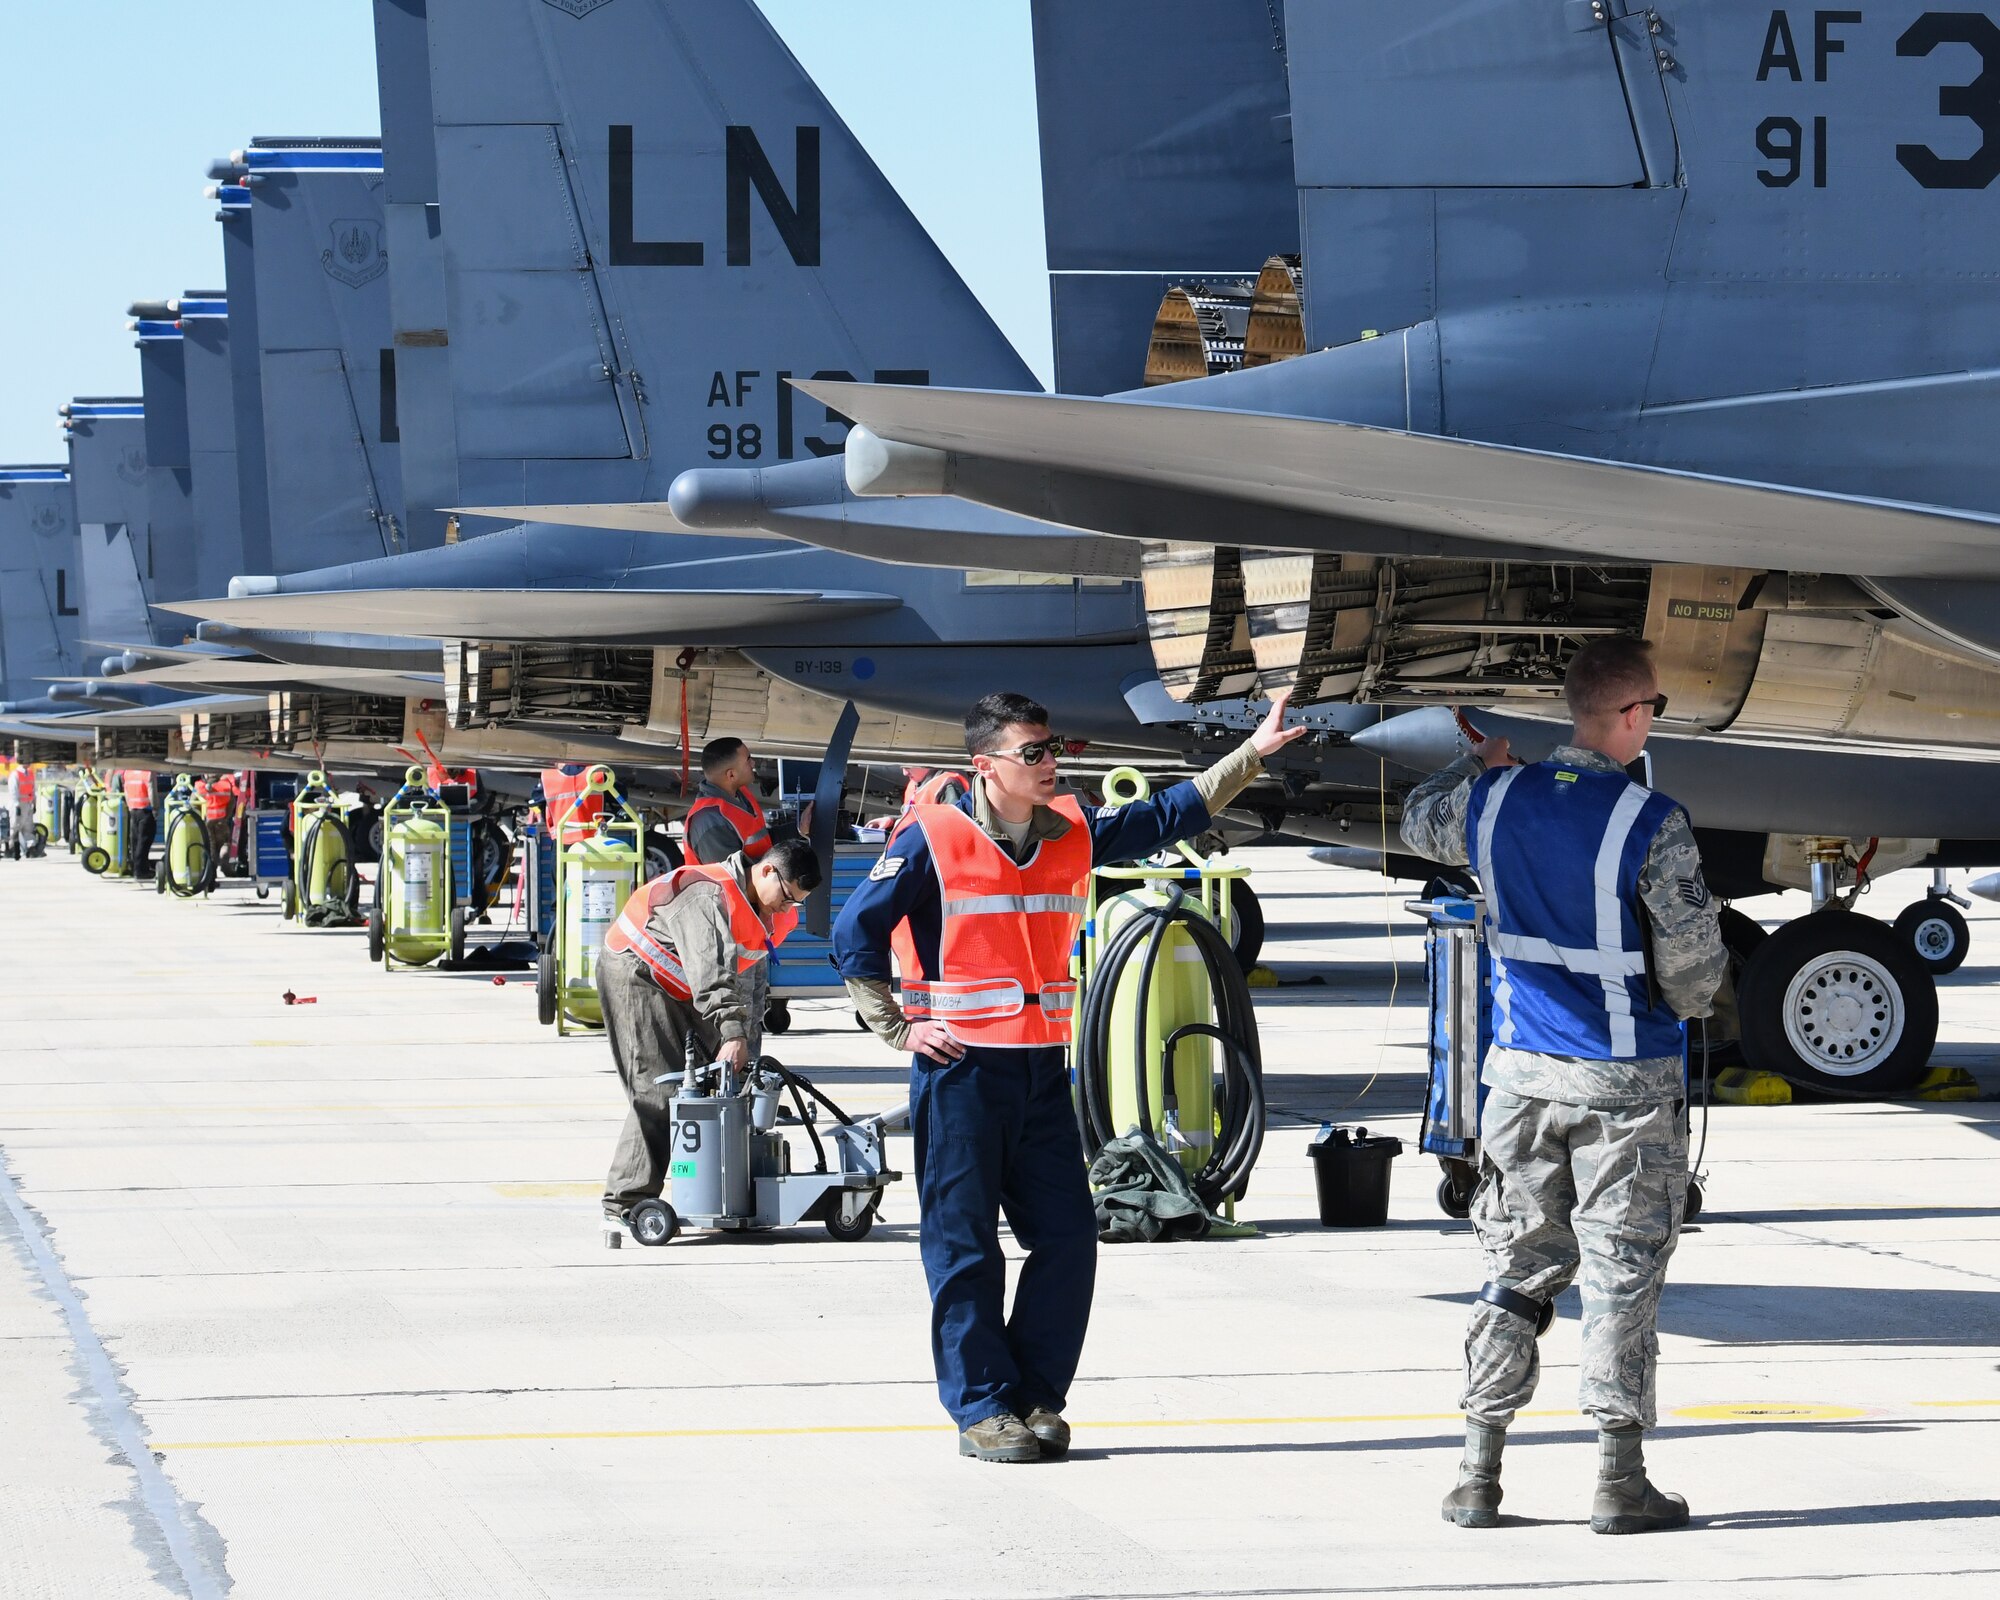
(205, 879)
(346, 908)
(1241, 1139)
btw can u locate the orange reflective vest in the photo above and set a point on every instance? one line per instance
(568, 808)
(746, 817)
(921, 792)
(632, 931)
(138, 788)
(437, 775)
(218, 798)
(1006, 934)
(930, 791)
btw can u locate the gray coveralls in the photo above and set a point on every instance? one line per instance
(648, 1028)
(1583, 1164)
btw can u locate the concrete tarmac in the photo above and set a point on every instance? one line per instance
(303, 1301)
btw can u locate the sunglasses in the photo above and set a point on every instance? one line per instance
(791, 899)
(1658, 702)
(1030, 755)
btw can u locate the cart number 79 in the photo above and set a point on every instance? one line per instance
(690, 1133)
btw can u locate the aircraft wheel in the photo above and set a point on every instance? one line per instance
(1837, 1001)
(1934, 929)
(654, 1222)
(545, 986)
(1246, 923)
(96, 860)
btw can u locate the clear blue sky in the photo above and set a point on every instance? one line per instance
(114, 108)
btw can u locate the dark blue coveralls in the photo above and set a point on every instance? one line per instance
(995, 1133)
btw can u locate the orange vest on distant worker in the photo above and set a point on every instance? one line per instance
(1006, 933)
(218, 797)
(632, 931)
(568, 808)
(746, 817)
(138, 788)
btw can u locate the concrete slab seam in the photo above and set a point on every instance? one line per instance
(194, 1547)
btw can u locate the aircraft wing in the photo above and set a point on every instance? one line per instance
(1147, 469)
(564, 616)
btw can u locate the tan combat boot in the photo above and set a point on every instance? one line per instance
(1475, 1503)
(1626, 1500)
(1002, 1438)
(1050, 1431)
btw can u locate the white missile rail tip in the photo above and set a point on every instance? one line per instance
(883, 467)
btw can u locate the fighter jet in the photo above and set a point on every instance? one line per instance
(38, 567)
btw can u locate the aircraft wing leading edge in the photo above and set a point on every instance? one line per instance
(1119, 466)
(554, 616)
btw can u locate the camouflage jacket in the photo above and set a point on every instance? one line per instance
(1689, 963)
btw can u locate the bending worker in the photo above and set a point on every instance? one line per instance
(993, 891)
(139, 807)
(687, 956)
(725, 816)
(1603, 938)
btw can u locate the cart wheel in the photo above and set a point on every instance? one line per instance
(375, 931)
(1937, 933)
(545, 987)
(263, 891)
(777, 1017)
(855, 1231)
(96, 860)
(291, 902)
(1454, 1201)
(160, 876)
(1692, 1208)
(654, 1222)
(860, 1022)
(457, 934)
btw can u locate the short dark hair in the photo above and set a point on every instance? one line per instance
(1608, 673)
(796, 863)
(717, 754)
(994, 714)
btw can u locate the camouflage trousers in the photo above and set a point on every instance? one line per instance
(1567, 1192)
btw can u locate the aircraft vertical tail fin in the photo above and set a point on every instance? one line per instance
(108, 472)
(653, 218)
(1166, 159)
(38, 580)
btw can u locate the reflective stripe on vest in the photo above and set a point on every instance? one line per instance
(1006, 933)
(632, 930)
(749, 823)
(1561, 871)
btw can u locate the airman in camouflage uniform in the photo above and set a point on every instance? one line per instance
(1583, 1170)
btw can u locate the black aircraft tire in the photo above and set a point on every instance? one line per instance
(1837, 1001)
(545, 986)
(1741, 937)
(1246, 923)
(1935, 930)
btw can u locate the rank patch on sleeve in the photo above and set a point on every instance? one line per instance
(889, 866)
(1693, 891)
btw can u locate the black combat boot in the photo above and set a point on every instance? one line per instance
(1626, 1500)
(1475, 1503)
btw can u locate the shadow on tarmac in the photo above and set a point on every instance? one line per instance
(1855, 1516)
(1811, 1314)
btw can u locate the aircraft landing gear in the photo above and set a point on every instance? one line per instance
(1839, 1002)
(1935, 929)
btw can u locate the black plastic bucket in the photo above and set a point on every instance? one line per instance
(1351, 1171)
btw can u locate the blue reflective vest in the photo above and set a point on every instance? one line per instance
(1559, 852)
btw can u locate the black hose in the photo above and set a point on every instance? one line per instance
(333, 912)
(205, 879)
(1235, 1151)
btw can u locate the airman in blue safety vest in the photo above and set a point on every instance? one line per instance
(992, 888)
(1603, 937)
